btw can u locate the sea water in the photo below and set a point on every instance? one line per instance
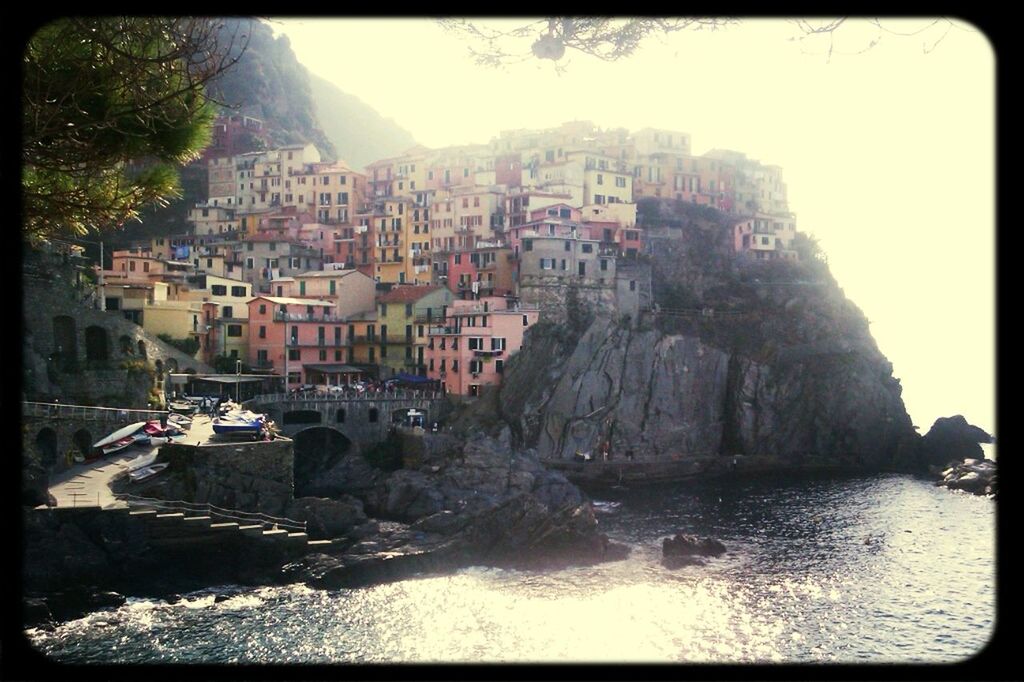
(877, 569)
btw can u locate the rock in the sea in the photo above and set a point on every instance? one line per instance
(687, 550)
(972, 476)
(328, 518)
(952, 440)
(36, 613)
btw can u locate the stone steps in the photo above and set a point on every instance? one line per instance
(176, 526)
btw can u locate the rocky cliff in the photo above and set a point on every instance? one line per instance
(764, 360)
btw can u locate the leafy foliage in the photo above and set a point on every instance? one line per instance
(187, 346)
(111, 107)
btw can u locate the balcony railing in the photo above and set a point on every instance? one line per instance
(307, 317)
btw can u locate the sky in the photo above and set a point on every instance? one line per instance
(888, 153)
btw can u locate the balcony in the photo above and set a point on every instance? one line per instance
(443, 331)
(488, 353)
(307, 317)
(263, 365)
(362, 339)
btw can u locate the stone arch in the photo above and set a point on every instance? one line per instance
(97, 348)
(316, 449)
(301, 417)
(65, 342)
(400, 415)
(83, 441)
(46, 446)
(142, 348)
(126, 345)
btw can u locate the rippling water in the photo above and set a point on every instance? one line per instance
(882, 569)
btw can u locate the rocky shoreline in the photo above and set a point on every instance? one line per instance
(461, 502)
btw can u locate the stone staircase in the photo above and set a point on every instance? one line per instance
(176, 527)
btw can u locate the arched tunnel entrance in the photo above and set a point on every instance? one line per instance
(316, 450)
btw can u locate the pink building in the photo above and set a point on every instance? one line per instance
(301, 338)
(470, 350)
(482, 271)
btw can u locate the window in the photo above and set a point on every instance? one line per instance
(261, 357)
(600, 179)
(263, 308)
(323, 355)
(620, 182)
(234, 330)
(238, 291)
(228, 312)
(408, 309)
(499, 366)
(219, 290)
(587, 248)
(598, 198)
(527, 245)
(249, 264)
(263, 332)
(293, 353)
(604, 265)
(568, 246)
(372, 416)
(632, 285)
(498, 343)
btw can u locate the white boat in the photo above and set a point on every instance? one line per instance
(142, 473)
(119, 434)
(118, 445)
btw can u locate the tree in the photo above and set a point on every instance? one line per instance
(613, 39)
(112, 106)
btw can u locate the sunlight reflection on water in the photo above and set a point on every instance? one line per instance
(887, 569)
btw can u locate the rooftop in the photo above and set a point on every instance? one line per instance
(407, 293)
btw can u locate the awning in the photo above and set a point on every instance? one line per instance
(413, 378)
(334, 369)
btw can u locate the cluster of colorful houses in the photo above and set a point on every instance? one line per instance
(430, 264)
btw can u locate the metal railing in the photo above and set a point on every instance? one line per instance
(349, 394)
(213, 511)
(35, 409)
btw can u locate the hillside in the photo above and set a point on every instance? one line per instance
(766, 360)
(269, 82)
(359, 134)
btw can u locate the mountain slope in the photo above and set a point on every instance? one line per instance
(360, 134)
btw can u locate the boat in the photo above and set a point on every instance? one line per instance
(243, 421)
(179, 420)
(118, 445)
(182, 407)
(142, 473)
(119, 434)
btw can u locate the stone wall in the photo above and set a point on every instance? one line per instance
(254, 477)
(105, 347)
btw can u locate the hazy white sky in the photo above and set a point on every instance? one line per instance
(889, 155)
